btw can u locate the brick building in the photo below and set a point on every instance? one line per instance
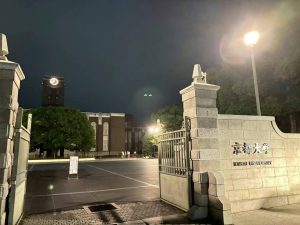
(133, 136)
(115, 133)
(110, 132)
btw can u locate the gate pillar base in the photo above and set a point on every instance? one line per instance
(220, 216)
(197, 212)
(2, 219)
(219, 206)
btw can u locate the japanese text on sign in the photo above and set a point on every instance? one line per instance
(250, 148)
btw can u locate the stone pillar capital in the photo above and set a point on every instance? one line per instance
(199, 86)
(13, 71)
(3, 47)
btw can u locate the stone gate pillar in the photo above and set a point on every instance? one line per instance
(199, 103)
(10, 76)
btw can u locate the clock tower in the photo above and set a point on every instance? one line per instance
(53, 91)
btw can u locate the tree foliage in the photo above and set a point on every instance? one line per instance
(149, 145)
(54, 128)
(278, 69)
(170, 117)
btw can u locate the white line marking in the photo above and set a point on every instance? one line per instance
(92, 196)
(152, 185)
(84, 192)
(31, 168)
(53, 201)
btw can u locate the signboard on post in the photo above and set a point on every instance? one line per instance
(73, 167)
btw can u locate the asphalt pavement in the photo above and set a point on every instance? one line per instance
(131, 184)
(49, 189)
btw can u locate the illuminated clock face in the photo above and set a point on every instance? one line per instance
(54, 81)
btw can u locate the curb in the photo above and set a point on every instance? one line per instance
(54, 161)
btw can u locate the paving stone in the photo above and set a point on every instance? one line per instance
(132, 211)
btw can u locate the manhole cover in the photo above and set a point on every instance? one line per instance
(100, 207)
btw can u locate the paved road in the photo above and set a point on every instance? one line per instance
(48, 187)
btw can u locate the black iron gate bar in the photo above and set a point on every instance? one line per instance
(174, 151)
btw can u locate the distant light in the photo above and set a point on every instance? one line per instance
(150, 95)
(251, 38)
(54, 81)
(153, 129)
(51, 187)
(145, 95)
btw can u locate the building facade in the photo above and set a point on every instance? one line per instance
(134, 139)
(133, 135)
(109, 133)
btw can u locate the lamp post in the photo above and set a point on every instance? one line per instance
(153, 130)
(251, 40)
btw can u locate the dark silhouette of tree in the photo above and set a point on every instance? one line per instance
(58, 128)
(170, 117)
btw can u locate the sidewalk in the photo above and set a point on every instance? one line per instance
(153, 212)
(156, 212)
(281, 215)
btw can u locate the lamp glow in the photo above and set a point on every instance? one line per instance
(251, 38)
(153, 129)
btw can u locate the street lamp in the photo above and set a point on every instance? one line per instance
(153, 130)
(251, 39)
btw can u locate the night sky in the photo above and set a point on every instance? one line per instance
(112, 52)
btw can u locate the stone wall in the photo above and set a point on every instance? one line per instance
(249, 185)
(240, 163)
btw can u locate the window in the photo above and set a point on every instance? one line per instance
(95, 129)
(105, 143)
(105, 129)
(105, 136)
(94, 126)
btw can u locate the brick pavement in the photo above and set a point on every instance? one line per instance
(156, 212)
(135, 211)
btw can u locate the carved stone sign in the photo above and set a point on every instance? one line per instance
(247, 148)
(253, 163)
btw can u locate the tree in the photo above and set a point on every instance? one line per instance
(171, 117)
(58, 128)
(149, 145)
(278, 68)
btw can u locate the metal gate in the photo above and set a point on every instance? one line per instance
(19, 169)
(174, 166)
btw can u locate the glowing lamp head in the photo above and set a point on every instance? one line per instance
(54, 81)
(251, 38)
(153, 130)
